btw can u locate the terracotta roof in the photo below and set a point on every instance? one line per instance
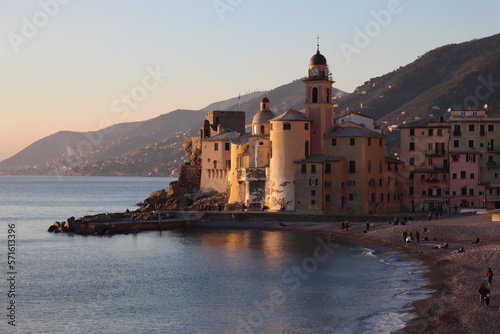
(339, 131)
(291, 115)
(224, 136)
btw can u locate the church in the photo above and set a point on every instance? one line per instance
(308, 160)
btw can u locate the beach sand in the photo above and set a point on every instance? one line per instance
(455, 278)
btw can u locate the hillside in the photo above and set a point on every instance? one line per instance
(447, 77)
(453, 76)
(152, 147)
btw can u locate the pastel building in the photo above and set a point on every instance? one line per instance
(424, 150)
(475, 159)
(302, 160)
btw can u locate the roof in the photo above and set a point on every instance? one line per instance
(318, 59)
(320, 158)
(339, 131)
(291, 115)
(241, 139)
(263, 116)
(425, 123)
(224, 136)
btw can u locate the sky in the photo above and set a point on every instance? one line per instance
(81, 65)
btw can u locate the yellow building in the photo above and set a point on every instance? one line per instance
(304, 160)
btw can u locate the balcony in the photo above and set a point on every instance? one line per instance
(434, 153)
(252, 174)
(491, 163)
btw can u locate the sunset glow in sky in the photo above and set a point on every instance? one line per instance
(81, 65)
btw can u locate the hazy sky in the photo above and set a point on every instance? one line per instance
(82, 64)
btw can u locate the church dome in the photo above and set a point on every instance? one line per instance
(263, 116)
(318, 59)
(265, 99)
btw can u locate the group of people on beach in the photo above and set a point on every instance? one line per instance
(484, 291)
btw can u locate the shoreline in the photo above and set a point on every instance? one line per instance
(454, 278)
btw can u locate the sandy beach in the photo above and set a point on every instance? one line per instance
(455, 278)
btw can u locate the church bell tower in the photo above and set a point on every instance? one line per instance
(318, 103)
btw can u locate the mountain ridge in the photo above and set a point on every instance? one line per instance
(447, 77)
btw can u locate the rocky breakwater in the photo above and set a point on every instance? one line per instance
(122, 223)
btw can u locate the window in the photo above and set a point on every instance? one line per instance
(411, 190)
(369, 142)
(422, 177)
(352, 141)
(456, 143)
(456, 130)
(328, 184)
(351, 196)
(351, 183)
(463, 174)
(228, 164)
(227, 146)
(306, 148)
(287, 126)
(412, 132)
(471, 192)
(380, 166)
(464, 191)
(491, 127)
(369, 166)
(430, 146)
(412, 161)
(352, 166)
(471, 128)
(490, 158)
(471, 143)
(334, 141)
(431, 161)
(470, 158)
(327, 198)
(424, 193)
(381, 197)
(313, 202)
(216, 146)
(303, 168)
(412, 146)
(372, 197)
(328, 168)
(440, 132)
(315, 95)
(380, 142)
(380, 182)
(306, 126)
(313, 169)
(454, 175)
(431, 132)
(313, 192)
(262, 129)
(313, 182)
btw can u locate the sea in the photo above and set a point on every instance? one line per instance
(184, 281)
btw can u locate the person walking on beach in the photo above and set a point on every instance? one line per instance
(430, 215)
(483, 292)
(417, 236)
(489, 274)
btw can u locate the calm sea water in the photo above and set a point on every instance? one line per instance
(187, 281)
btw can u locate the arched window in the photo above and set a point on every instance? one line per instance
(306, 149)
(287, 126)
(315, 95)
(262, 129)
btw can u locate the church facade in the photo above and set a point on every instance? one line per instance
(302, 160)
